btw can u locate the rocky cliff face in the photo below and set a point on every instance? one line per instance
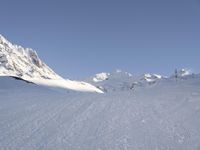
(22, 62)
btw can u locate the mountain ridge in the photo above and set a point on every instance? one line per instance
(24, 63)
(122, 80)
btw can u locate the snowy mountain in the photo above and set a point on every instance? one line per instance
(122, 81)
(24, 63)
(183, 72)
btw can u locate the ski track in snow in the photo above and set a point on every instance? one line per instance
(151, 118)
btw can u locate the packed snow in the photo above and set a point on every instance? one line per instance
(163, 116)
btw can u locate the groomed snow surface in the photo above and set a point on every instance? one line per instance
(163, 116)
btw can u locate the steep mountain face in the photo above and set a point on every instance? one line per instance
(122, 81)
(24, 63)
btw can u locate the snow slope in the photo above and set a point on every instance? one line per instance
(163, 116)
(25, 63)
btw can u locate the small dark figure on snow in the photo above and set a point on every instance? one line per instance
(176, 74)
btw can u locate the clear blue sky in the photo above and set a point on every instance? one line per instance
(81, 38)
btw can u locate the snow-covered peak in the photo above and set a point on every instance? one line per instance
(151, 77)
(4, 41)
(101, 77)
(25, 63)
(22, 62)
(118, 75)
(183, 72)
(121, 81)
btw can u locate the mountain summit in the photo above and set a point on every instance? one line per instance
(122, 81)
(24, 63)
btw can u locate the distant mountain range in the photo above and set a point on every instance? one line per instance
(123, 81)
(24, 63)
